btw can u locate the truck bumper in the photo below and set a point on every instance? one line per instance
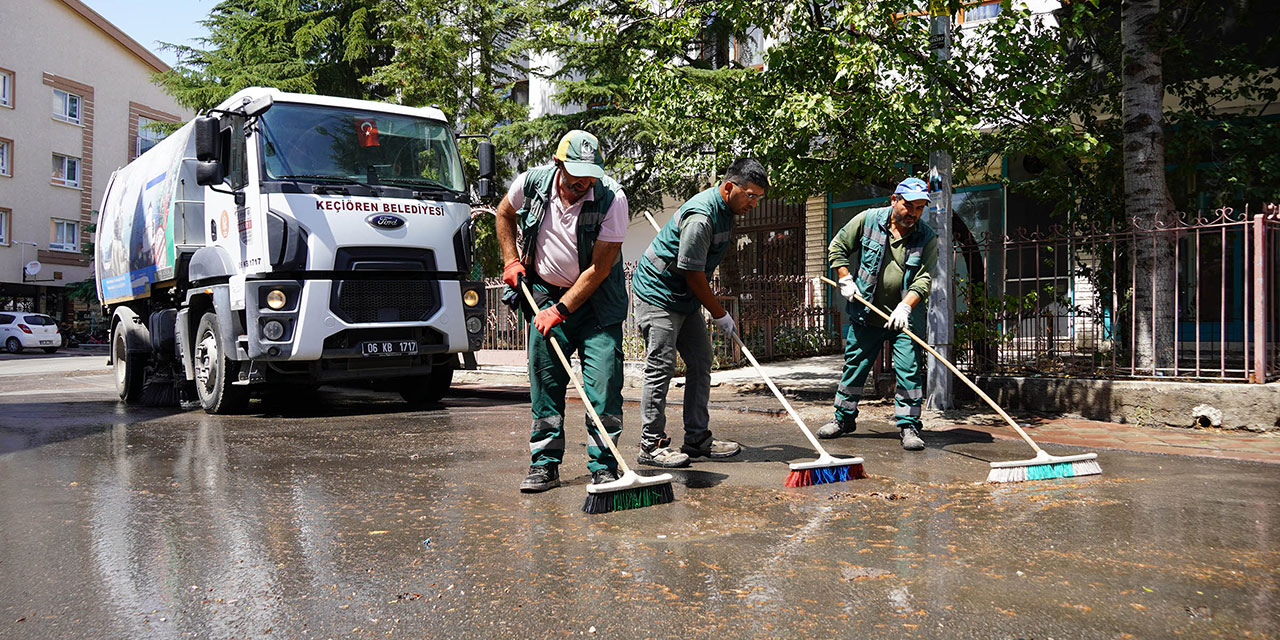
(333, 320)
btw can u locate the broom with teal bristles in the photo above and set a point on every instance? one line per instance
(827, 468)
(1041, 467)
(631, 491)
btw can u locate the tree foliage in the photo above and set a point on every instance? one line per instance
(327, 47)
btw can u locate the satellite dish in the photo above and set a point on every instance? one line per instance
(32, 267)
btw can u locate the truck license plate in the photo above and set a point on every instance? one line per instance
(389, 348)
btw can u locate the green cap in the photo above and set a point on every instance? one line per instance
(580, 153)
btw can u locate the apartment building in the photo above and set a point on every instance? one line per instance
(75, 100)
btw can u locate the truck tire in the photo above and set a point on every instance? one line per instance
(129, 369)
(421, 391)
(215, 372)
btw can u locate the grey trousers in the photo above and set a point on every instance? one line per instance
(667, 333)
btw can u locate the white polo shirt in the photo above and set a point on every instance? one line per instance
(556, 247)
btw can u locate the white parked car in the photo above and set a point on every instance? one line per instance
(19, 330)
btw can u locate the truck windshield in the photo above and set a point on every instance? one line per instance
(331, 144)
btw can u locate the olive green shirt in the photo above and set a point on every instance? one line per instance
(846, 251)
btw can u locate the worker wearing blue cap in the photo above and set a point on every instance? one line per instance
(893, 252)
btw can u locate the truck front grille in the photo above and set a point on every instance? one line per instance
(358, 301)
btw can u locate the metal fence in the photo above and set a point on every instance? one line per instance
(777, 318)
(1189, 297)
(1192, 297)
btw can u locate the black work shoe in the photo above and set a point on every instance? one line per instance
(541, 477)
(713, 449)
(601, 476)
(911, 439)
(835, 429)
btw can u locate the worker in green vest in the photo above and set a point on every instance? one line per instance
(672, 287)
(893, 252)
(572, 220)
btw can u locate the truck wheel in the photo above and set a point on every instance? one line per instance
(215, 372)
(12, 345)
(128, 368)
(420, 391)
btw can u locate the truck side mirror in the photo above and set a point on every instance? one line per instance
(484, 188)
(209, 173)
(484, 157)
(208, 138)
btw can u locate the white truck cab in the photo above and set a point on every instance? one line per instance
(288, 239)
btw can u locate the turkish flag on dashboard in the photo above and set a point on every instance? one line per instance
(367, 132)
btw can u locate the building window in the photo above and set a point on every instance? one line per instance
(148, 136)
(66, 171)
(65, 235)
(4, 226)
(985, 10)
(6, 88)
(6, 157)
(66, 106)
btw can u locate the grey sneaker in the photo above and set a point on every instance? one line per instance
(715, 449)
(911, 439)
(663, 457)
(540, 478)
(601, 476)
(835, 429)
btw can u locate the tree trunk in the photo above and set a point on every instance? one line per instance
(1146, 193)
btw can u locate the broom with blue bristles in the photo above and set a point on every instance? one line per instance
(1043, 466)
(827, 468)
(631, 491)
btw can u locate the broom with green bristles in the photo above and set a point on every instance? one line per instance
(631, 491)
(1043, 466)
(827, 468)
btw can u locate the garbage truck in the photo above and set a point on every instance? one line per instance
(284, 240)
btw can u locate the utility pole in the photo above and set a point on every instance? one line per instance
(941, 310)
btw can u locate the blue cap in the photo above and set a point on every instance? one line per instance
(913, 189)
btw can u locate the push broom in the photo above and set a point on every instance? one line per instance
(827, 468)
(1043, 466)
(631, 491)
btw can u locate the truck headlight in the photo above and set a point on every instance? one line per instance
(273, 330)
(276, 300)
(474, 325)
(470, 298)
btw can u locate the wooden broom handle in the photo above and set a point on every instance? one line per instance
(573, 375)
(950, 366)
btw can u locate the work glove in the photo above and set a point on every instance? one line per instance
(512, 273)
(549, 318)
(725, 323)
(847, 288)
(898, 319)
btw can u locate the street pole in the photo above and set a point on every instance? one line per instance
(941, 305)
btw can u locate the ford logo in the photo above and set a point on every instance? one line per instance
(385, 221)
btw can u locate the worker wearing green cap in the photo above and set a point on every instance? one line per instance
(572, 220)
(893, 251)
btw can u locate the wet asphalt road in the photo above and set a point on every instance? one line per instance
(311, 518)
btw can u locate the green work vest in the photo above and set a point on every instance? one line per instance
(875, 250)
(656, 281)
(609, 302)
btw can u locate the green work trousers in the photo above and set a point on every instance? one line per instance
(600, 351)
(861, 348)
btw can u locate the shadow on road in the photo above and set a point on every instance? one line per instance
(28, 425)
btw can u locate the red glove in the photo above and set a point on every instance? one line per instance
(548, 318)
(512, 273)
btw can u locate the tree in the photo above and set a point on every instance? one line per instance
(1146, 193)
(328, 47)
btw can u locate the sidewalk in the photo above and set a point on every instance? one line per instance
(809, 385)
